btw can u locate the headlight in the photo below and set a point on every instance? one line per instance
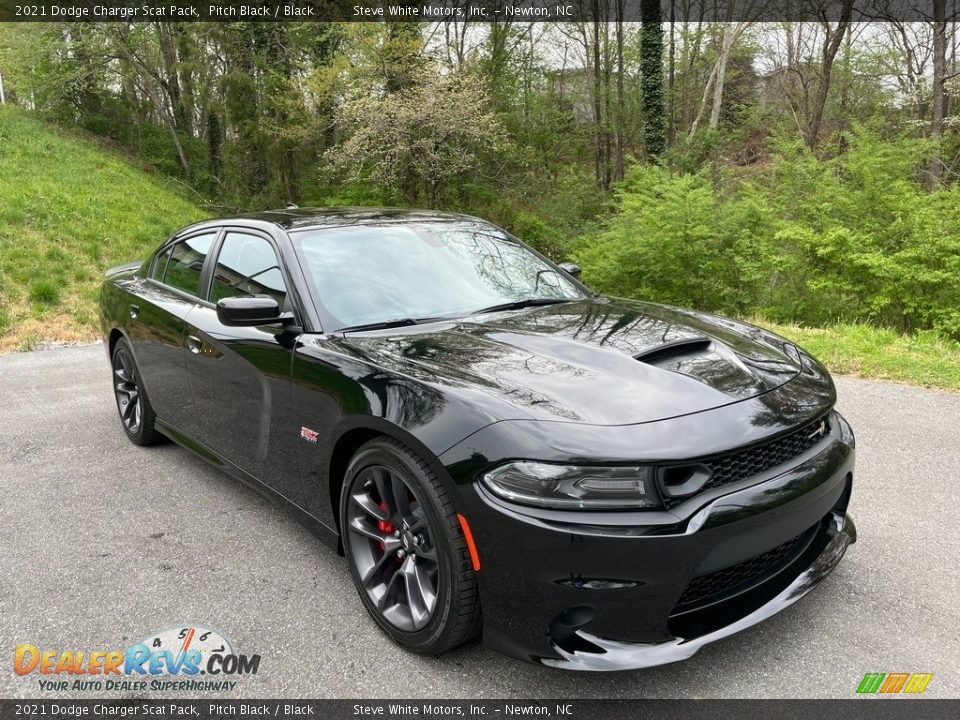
(572, 487)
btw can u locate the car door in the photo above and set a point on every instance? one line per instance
(157, 327)
(240, 376)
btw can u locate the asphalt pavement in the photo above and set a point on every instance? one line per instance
(102, 543)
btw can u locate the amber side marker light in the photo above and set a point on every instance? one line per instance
(471, 546)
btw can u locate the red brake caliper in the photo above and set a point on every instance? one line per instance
(385, 526)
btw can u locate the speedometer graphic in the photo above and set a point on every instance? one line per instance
(193, 637)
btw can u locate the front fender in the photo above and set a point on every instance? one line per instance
(345, 400)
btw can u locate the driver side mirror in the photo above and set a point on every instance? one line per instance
(249, 311)
(571, 269)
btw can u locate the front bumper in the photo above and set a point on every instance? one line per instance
(600, 654)
(606, 591)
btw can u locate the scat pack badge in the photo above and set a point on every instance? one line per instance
(171, 660)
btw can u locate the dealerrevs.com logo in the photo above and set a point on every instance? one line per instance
(189, 658)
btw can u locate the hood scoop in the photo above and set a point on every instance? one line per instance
(676, 348)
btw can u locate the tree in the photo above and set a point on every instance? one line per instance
(937, 102)
(620, 119)
(651, 69)
(149, 52)
(716, 81)
(601, 92)
(416, 142)
(402, 55)
(833, 37)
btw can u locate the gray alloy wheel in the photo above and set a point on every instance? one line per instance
(392, 548)
(129, 400)
(136, 414)
(407, 553)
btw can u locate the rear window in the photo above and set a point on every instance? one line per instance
(183, 268)
(160, 265)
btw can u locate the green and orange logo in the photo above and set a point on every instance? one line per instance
(893, 683)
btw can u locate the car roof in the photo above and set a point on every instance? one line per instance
(319, 217)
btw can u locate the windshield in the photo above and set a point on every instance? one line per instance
(367, 275)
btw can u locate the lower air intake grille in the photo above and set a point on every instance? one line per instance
(716, 584)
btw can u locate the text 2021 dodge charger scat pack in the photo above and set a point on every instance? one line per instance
(592, 483)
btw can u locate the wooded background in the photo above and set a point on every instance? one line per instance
(801, 172)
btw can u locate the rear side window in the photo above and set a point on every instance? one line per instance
(160, 265)
(186, 263)
(247, 265)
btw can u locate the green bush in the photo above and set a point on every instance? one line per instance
(858, 237)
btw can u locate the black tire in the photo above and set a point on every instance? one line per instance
(136, 414)
(377, 548)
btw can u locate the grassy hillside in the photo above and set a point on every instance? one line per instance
(69, 209)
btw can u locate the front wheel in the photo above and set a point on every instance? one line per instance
(136, 413)
(406, 550)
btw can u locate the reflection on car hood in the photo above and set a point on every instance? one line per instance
(601, 361)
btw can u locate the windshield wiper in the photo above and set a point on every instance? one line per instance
(519, 304)
(382, 325)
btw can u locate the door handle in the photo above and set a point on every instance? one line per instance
(199, 347)
(134, 311)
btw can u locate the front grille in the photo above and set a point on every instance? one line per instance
(746, 573)
(737, 466)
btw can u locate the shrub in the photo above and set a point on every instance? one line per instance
(857, 237)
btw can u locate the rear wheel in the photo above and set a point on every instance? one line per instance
(406, 550)
(136, 415)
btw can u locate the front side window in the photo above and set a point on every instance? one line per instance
(247, 265)
(379, 274)
(185, 264)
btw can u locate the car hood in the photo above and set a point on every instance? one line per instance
(599, 360)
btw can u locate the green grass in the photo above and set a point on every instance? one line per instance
(871, 352)
(44, 292)
(69, 209)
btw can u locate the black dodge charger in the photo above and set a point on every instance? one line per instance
(591, 483)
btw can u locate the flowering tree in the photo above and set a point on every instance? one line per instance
(416, 141)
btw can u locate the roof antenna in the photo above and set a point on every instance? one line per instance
(292, 206)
